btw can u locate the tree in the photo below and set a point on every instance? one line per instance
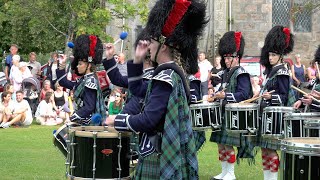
(46, 25)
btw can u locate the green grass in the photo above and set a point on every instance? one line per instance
(28, 153)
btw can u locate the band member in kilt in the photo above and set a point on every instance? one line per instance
(237, 85)
(278, 43)
(307, 100)
(167, 148)
(87, 53)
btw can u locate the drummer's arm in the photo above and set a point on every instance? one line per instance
(280, 96)
(195, 91)
(137, 86)
(114, 74)
(243, 89)
(89, 104)
(62, 79)
(154, 111)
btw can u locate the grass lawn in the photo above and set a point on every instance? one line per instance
(28, 153)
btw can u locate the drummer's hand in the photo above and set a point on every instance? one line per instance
(266, 95)
(109, 50)
(110, 120)
(297, 104)
(315, 94)
(220, 95)
(307, 99)
(142, 50)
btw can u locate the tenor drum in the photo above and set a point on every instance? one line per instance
(98, 154)
(61, 139)
(312, 127)
(294, 123)
(206, 116)
(273, 121)
(300, 159)
(242, 117)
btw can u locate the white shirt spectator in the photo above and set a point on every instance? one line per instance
(205, 68)
(44, 109)
(21, 105)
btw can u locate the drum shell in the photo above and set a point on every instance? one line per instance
(60, 138)
(300, 158)
(82, 154)
(273, 121)
(241, 116)
(296, 124)
(312, 127)
(205, 116)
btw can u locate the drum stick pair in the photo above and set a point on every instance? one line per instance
(254, 99)
(304, 93)
(212, 97)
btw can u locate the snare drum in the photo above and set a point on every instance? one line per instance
(206, 116)
(294, 123)
(60, 138)
(300, 159)
(242, 117)
(273, 121)
(312, 127)
(96, 153)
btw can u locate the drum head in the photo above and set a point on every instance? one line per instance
(305, 145)
(280, 109)
(241, 106)
(100, 131)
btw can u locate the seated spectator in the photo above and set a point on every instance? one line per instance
(6, 106)
(9, 88)
(45, 114)
(59, 99)
(21, 114)
(46, 88)
(116, 106)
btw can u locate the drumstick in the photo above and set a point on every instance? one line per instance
(304, 93)
(255, 98)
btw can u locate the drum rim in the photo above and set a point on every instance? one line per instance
(302, 115)
(286, 143)
(205, 105)
(64, 126)
(278, 109)
(242, 106)
(101, 131)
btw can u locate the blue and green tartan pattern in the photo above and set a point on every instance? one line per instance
(199, 138)
(148, 168)
(178, 159)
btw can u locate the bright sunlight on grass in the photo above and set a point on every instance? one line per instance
(28, 153)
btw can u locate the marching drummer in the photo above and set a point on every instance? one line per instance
(167, 148)
(238, 87)
(315, 93)
(278, 43)
(88, 51)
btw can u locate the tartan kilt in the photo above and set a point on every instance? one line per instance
(148, 167)
(267, 142)
(199, 139)
(226, 138)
